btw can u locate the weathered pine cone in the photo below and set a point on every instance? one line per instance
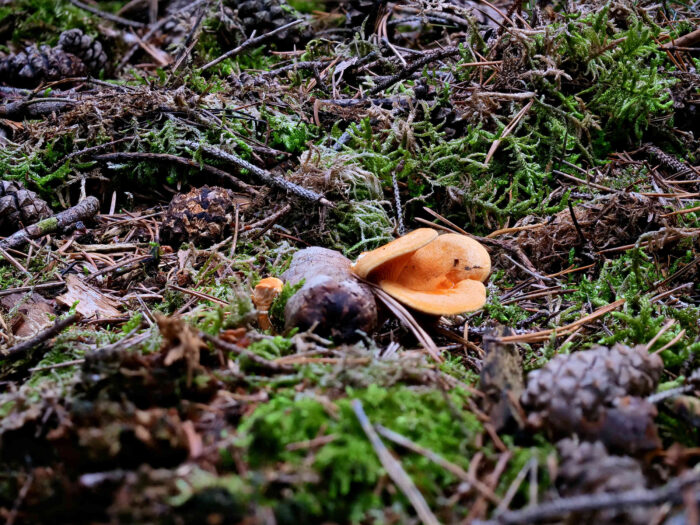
(264, 16)
(580, 386)
(84, 47)
(587, 468)
(34, 65)
(75, 55)
(19, 207)
(202, 216)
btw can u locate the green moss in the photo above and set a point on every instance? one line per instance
(348, 464)
(44, 20)
(277, 307)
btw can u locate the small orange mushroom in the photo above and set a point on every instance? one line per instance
(263, 296)
(431, 273)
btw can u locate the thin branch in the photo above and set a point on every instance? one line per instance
(249, 43)
(239, 350)
(130, 156)
(264, 175)
(40, 338)
(107, 16)
(672, 492)
(455, 470)
(415, 66)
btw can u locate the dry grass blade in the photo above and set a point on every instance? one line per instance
(456, 470)
(544, 335)
(393, 468)
(409, 322)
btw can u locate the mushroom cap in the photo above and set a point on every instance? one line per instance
(467, 295)
(266, 291)
(407, 244)
(444, 262)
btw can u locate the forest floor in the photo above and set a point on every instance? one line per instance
(158, 159)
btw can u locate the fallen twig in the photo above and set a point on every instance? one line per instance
(43, 336)
(264, 175)
(158, 157)
(456, 470)
(415, 66)
(85, 209)
(107, 16)
(250, 42)
(672, 492)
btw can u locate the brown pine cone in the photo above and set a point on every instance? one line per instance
(19, 207)
(587, 468)
(580, 386)
(202, 216)
(31, 67)
(264, 16)
(85, 48)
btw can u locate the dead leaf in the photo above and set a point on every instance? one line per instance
(180, 341)
(91, 303)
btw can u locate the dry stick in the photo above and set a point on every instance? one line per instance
(22, 289)
(264, 175)
(661, 332)
(64, 364)
(14, 262)
(248, 43)
(415, 66)
(85, 209)
(456, 470)
(686, 40)
(507, 130)
(260, 361)
(393, 468)
(107, 16)
(672, 492)
(153, 29)
(41, 337)
(34, 108)
(140, 155)
(199, 295)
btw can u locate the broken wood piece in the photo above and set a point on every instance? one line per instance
(501, 378)
(91, 302)
(331, 299)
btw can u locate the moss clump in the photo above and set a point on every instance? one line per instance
(348, 465)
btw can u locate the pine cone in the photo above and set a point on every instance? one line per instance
(19, 207)
(267, 15)
(202, 216)
(33, 66)
(578, 387)
(84, 47)
(357, 11)
(587, 468)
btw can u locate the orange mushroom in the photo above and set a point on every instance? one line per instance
(431, 273)
(263, 296)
